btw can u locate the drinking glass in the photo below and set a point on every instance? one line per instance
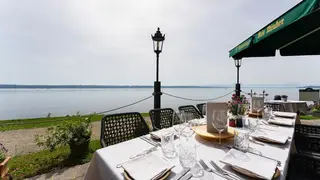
(219, 121)
(188, 125)
(178, 121)
(187, 155)
(167, 145)
(241, 139)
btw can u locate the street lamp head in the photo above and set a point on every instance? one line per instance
(158, 41)
(237, 62)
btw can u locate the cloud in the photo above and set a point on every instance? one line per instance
(108, 42)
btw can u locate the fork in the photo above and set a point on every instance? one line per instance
(206, 168)
(219, 169)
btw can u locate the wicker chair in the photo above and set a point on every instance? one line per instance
(307, 144)
(276, 107)
(201, 107)
(192, 110)
(116, 128)
(303, 129)
(304, 167)
(166, 118)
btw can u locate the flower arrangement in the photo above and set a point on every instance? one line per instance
(238, 105)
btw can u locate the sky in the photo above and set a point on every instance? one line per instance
(108, 42)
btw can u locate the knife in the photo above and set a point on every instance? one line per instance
(186, 177)
(180, 174)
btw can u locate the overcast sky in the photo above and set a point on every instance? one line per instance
(108, 42)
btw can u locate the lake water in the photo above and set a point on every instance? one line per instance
(30, 103)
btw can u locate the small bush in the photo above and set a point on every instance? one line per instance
(68, 132)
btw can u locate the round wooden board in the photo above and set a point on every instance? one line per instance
(250, 174)
(202, 132)
(127, 177)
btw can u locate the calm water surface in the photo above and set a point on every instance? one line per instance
(30, 103)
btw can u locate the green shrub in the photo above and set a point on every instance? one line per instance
(68, 132)
(3, 152)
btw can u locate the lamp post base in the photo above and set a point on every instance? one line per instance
(157, 102)
(238, 90)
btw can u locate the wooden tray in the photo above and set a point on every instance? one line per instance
(250, 174)
(202, 132)
(254, 115)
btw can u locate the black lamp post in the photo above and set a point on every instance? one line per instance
(157, 47)
(237, 63)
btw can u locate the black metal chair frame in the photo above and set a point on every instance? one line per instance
(276, 106)
(200, 108)
(116, 128)
(192, 110)
(166, 118)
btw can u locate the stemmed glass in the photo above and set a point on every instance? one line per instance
(219, 121)
(189, 123)
(178, 121)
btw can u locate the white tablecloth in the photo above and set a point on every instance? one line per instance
(292, 106)
(104, 162)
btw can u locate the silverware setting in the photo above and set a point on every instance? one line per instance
(255, 141)
(206, 168)
(144, 152)
(181, 174)
(224, 172)
(148, 140)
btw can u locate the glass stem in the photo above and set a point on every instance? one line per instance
(219, 137)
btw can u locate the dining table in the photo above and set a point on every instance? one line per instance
(105, 162)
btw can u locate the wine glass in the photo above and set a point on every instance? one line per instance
(178, 121)
(219, 121)
(189, 123)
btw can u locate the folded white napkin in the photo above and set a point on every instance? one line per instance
(274, 136)
(281, 121)
(284, 114)
(147, 167)
(263, 167)
(157, 134)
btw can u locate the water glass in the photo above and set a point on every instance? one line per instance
(241, 139)
(167, 145)
(253, 125)
(187, 155)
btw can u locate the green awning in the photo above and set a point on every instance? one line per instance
(296, 32)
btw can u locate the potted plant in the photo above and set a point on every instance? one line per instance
(4, 159)
(237, 108)
(75, 133)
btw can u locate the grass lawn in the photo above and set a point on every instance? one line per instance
(309, 117)
(6, 125)
(45, 161)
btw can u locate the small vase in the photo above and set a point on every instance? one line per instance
(232, 121)
(239, 121)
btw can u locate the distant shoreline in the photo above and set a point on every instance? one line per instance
(13, 86)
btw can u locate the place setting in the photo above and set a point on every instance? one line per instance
(158, 167)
